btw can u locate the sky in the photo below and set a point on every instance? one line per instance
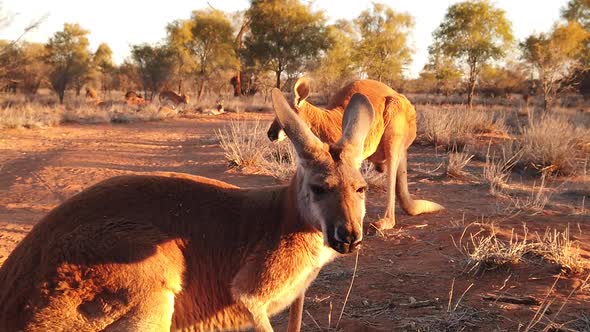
(126, 22)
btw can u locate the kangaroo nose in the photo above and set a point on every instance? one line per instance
(349, 239)
(273, 136)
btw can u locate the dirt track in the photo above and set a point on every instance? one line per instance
(418, 261)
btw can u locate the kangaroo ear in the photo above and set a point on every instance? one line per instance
(307, 145)
(356, 123)
(301, 89)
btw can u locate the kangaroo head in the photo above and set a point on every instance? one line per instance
(330, 188)
(301, 91)
(184, 98)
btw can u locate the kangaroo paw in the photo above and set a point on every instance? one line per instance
(382, 224)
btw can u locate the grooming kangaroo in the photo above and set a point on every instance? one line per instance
(392, 132)
(186, 253)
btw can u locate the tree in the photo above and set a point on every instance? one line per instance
(7, 48)
(179, 36)
(285, 35)
(155, 65)
(242, 30)
(440, 72)
(203, 45)
(68, 56)
(474, 32)
(383, 51)
(32, 69)
(103, 63)
(556, 57)
(337, 65)
(212, 45)
(579, 11)
(501, 81)
(126, 77)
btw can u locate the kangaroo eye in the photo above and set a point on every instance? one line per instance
(362, 190)
(317, 190)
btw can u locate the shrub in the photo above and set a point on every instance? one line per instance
(448, 128)
(549, 144)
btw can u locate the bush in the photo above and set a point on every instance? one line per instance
(29, 116)
(549, 144)
(448, 128)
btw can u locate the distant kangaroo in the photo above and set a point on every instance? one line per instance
(174, 98)
(392, 132)
(179, 252)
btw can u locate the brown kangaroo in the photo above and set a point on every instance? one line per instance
(180, 252)
(392, 132)
(173, 97)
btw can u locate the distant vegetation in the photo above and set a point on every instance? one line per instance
(273, 42)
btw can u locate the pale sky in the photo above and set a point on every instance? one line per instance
(126, 22)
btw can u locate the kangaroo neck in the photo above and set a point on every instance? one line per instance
(324, 123)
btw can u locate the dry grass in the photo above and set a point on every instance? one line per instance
(550, 144)
(557, 247)
(243, 143)
(455, 127)
(496, 172)
(456, 163)
(375, 180)
(487, 252)
(33, 114)
(29, 116)
(484, 250)
(246, 147)
(457, 317)
(535, 202)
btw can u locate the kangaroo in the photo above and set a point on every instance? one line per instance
(174, 98)
(389, 137)
(186, 253)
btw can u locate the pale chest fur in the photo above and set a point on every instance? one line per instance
(298, 282)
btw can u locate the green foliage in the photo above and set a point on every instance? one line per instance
(179, 37)
(500, 81)
(579, 11)
(103, 58)
(68, 56)
(102, 61)
(440, 74)
(155, 65)
(383, 51)
(212, 41)
(285, 35)
(203, 45)
(556, 56)
(336, 65)
(474, 32)
(32, 69)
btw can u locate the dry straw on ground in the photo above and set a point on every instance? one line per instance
(486, 250)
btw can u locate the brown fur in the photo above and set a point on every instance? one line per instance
(178, 252)
(392, 132)
(173, 97)
(132, 94)
(91, 93)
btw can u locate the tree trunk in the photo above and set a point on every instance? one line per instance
(278, 72)
(238, 85)
(60, 94)
(546, 102)
(201, 90)
(472, 80)
(470, 92)
(180, 86)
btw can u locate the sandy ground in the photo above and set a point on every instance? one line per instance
(417, 263)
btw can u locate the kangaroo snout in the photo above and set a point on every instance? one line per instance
(273, 135)
(345, 241)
